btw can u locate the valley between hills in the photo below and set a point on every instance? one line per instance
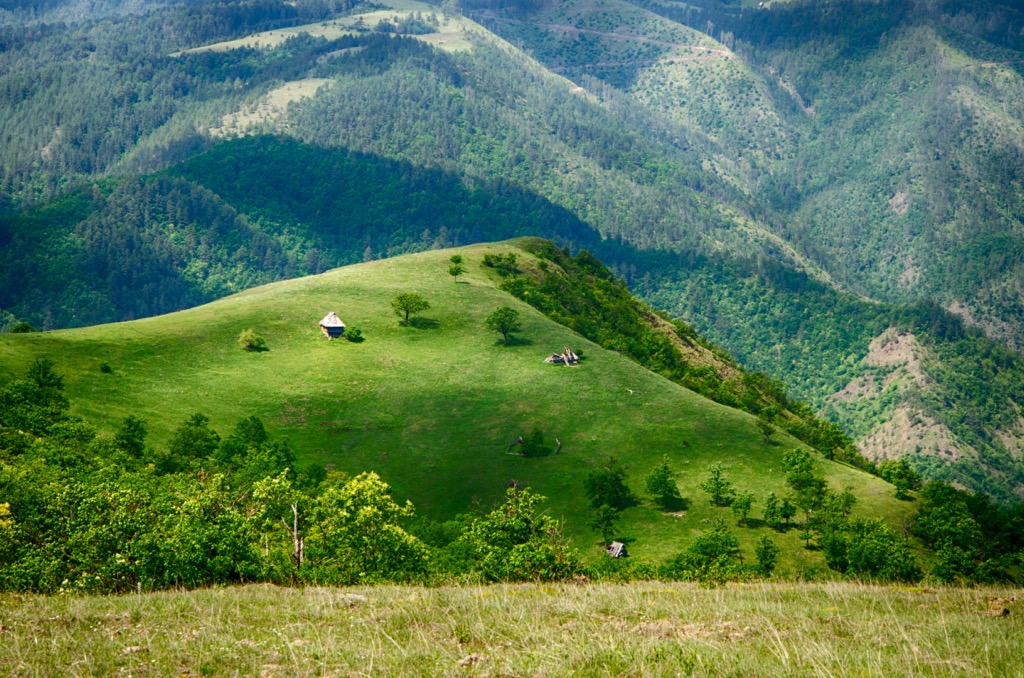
(784, 239)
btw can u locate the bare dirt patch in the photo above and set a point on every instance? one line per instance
(858, 389)
(270, 109)
(1000, 330)
(910, 276)
(900, 350)
(900, 203)
(912, 432)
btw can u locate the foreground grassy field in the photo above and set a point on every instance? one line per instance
(432, 407)
(642, 629)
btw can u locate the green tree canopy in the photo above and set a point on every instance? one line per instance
(251, 340)
(661, 484)
(902, 475)
(194, 439)
(357, 533)
(741, 506)
(607, 486)
(718, 486)
(516, 542)
(407, 303)
(504, 320)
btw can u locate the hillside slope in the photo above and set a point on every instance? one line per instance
(432, 407)
(741, 168)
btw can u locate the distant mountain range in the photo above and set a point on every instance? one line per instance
(832, 192)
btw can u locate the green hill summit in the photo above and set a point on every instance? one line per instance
(441, 407)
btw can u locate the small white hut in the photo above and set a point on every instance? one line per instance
(331, 326)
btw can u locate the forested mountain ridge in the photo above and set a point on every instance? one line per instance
(713, 154)
(881, 139)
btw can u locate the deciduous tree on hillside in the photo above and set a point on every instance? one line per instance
(718, 486)
(407, 303)
(504, 320)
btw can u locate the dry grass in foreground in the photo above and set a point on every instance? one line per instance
(641, 629)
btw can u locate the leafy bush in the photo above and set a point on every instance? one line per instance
(870, 548)
(515, 542)
(713, 557)
(504, 264)
(767, 554)
(250, 340)
(533, 444)
(355, 335)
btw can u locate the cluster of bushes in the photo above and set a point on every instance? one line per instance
(415, 24)
(975, 540)
(82, 512)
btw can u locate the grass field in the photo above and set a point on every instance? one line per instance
(432, 407)
(451, 34)
(272, 107)
(640, 629)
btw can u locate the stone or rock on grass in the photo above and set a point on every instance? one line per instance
(999, 607)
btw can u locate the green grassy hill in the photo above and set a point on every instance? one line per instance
(432, 406)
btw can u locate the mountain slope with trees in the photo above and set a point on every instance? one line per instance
(743, 168)
(432, 406)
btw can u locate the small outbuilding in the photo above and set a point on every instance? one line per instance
(616, 550)
(566, 358)
(331, 326)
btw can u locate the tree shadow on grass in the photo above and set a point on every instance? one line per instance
(675, 505)
(515, 341)
(424, 323)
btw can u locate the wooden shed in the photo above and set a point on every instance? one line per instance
(616, 550)
(567, 358)
(331, 326)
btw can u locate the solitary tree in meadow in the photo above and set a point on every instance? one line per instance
(607, 486)
(407, 303)
(741, 506)
(504, 320)
(718, 486)
(661, 484)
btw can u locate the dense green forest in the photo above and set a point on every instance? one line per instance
(262, 208)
